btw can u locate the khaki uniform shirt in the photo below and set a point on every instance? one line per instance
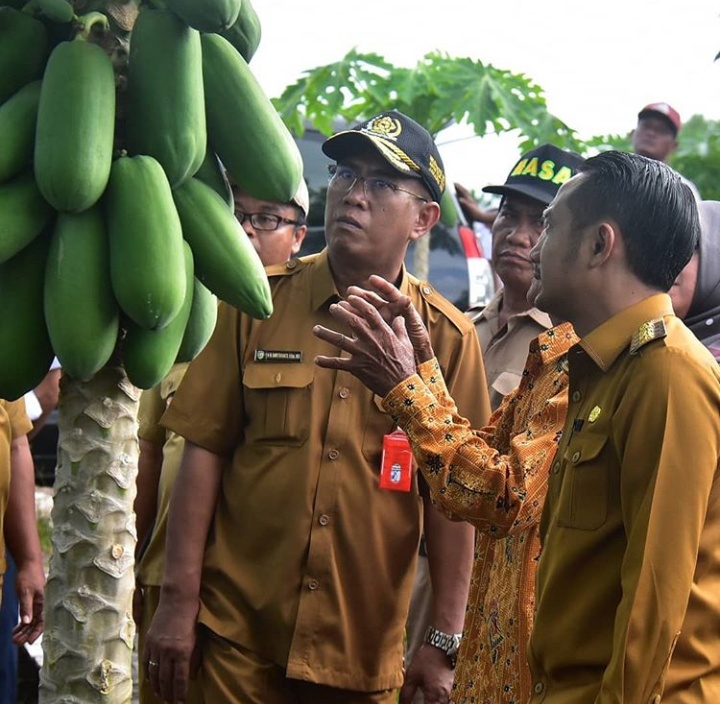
(309, 563)
(631, 526)
(505, 349)
(153, 403)
(14, 422)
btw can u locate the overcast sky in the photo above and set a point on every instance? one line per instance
(599, 63)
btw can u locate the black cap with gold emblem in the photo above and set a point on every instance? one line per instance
(403, 143)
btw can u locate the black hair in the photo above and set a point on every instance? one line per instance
(655, 211)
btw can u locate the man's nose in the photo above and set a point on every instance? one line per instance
(358, 180)
(525, 233)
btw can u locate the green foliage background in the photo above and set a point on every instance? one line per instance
(441, 90)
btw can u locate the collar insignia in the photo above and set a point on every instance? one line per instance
(647, 332)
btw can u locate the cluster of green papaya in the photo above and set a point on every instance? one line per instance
(117, 230)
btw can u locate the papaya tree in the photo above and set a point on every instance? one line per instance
(117, 237)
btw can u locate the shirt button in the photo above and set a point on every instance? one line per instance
(344, 393)
(291, 264)
(575, 456)
(427, 290)
(278, 376)
(313, 584)
(333, 454)
(576, 396)
(556, 468)
(324, 519)
(539, 687)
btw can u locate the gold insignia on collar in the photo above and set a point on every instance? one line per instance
(594, 414)
(647, 332)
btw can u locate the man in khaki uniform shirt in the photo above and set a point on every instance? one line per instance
(308, 566)
(628, 597)
(276, 231)
(18, 528)
(508, 323)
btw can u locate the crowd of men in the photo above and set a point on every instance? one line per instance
(556, 450)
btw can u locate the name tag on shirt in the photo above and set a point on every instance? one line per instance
(269, 356)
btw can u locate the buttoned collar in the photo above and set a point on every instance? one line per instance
(491, 312)
(323, 289)
(554, 343)
(606, 342)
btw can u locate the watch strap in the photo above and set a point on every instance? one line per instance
(447, 642)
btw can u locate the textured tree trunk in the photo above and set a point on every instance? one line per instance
(89, 630)
(421, 258)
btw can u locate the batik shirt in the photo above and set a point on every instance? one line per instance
(495, 478)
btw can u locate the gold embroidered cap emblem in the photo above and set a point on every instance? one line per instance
(385, 126)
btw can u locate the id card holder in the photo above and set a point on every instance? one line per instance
(397, 461)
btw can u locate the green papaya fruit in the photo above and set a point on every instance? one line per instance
(25, 349)
(60, 11)
(18, 115)
(448, 212)
(225, 260)
(166, 112)
(75, 126)
(23, 214)
(212, 173)
(23, 50)
(248, 135)
(148, 355)
(147, 265)
(200, 324)
(80, 309)
(246, 32)
(206, 15)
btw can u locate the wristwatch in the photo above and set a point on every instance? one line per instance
(447, 642)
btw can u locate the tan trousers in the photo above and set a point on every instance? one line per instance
(419, 616)
(232, 675)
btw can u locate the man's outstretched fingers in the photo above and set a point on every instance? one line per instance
(333, 337)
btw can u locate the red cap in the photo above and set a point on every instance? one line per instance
(667, 111)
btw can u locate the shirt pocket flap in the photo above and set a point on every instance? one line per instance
(275, 376)
(584, 447)
(585, 506)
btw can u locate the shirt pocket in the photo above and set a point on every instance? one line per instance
(277, 403)
(377, 425)
(586, 505)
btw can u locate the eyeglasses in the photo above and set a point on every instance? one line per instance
(264, 221)
(343, 180)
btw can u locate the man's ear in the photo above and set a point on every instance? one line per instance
(428, 215)
(298, 237)
(602, 244)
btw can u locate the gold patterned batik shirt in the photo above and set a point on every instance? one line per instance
(495, 478)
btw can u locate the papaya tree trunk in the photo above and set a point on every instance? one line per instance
(421, 258)
(89, 630)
